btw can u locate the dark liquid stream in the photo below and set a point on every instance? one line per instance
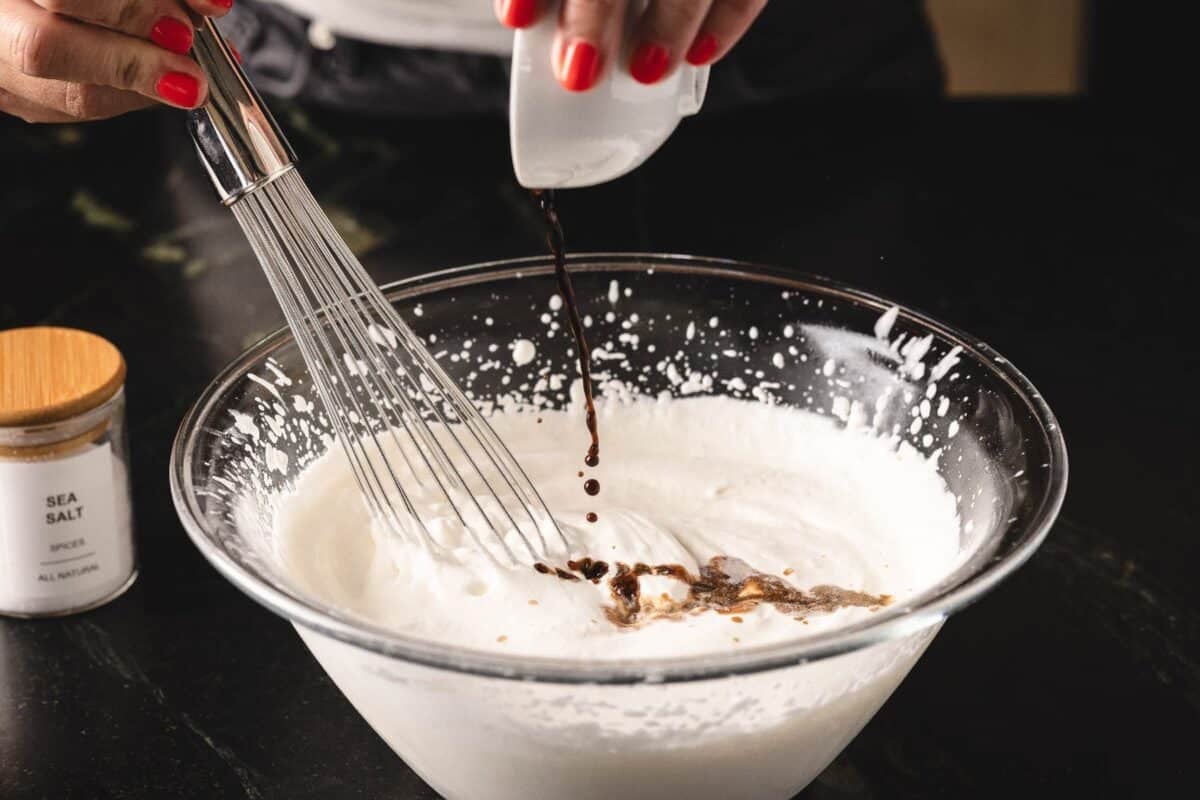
(715, 588)
(555, 241)
(557, 244)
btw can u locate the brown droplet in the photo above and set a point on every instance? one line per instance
(591, 516)
(736, 619)
(533, 602)
(539, 420)
(590, 568)
(592, 486)
(581, 473)
(788, 571)
(542, 568)
(501, 639)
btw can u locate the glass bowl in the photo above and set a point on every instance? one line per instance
(760, 722)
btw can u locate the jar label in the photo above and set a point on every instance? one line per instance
(58, 526)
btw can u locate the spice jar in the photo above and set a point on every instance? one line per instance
(66, 537)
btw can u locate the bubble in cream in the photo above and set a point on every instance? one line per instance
(523, 352)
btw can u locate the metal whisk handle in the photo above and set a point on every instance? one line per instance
(237, 138)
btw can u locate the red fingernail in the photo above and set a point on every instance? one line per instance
(649, 62)
(171, 34)
(702, 50)
(178, 88)
(223, 3)
(580, 66)
(518, 13)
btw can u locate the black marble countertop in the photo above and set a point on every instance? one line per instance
(1066, 236)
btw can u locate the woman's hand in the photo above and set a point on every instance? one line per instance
(590, 31)
(73, 60)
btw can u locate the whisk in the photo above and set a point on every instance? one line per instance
(419, 449)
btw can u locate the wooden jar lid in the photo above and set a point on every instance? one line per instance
(51, 374)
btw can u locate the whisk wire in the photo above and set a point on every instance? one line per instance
(345, 329)
(302, 317)
(334, 371)
(378, 382)
(360, 289)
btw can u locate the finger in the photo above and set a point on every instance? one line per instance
(123, 15)
(726, 23)
(27, 110)
(210, 8)
(165, 22)
(39, 100)
(49, 46)
(589, 32)
(664, 32)
(519, 13)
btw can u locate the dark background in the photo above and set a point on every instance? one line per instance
(1063, 232)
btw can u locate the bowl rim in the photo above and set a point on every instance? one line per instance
(916, 614)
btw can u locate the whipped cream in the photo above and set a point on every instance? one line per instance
(776, 490)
